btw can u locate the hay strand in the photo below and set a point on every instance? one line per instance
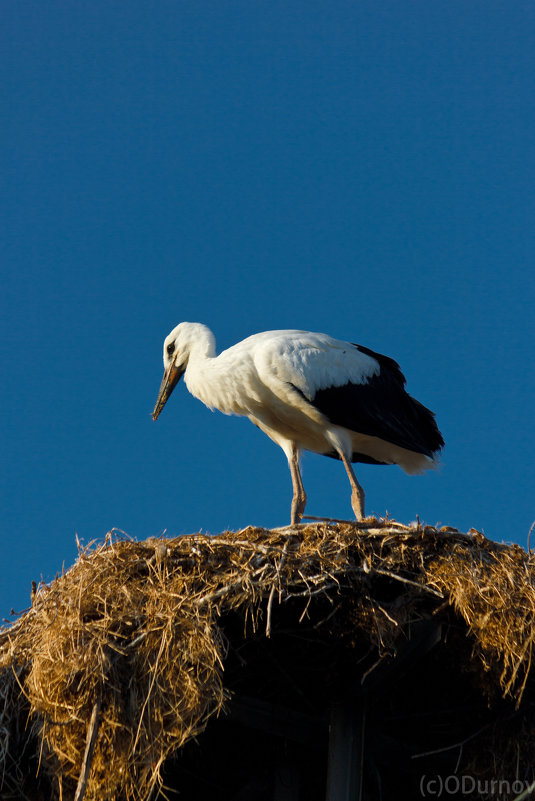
(88, 754)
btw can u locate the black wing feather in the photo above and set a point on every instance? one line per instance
(382, 408)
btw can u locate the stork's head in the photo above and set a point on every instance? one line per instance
(177, 348)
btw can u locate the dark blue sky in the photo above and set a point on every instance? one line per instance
(360, 168)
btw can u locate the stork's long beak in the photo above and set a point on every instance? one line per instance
(171, 377)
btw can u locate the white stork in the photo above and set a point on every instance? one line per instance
(309, 392)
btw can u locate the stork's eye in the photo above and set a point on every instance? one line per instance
(171, 348)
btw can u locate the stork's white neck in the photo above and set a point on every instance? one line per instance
(213, 379)
(201, 359)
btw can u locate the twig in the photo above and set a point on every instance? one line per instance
(293, 528)
(326, 519)
(450, 747)
(385, 613)
(213, 596)
(325, 619)
(309, 593)
(272, 592)
(88, 755)
(423, 587)
(528, 791)
(363, 525)
(254, 546)
(136, 640)
(371, 669)
(529, 536)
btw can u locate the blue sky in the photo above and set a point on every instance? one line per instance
(360, 168)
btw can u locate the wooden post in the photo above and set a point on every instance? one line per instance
(346, 750)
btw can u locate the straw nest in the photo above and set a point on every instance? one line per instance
(121, 660)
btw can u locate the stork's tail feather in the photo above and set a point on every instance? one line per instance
(427, 437)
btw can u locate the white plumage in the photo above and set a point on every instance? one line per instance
(307, 391)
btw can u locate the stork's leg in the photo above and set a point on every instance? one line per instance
(299, 497)
(357, 494)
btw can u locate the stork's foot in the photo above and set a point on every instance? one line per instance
(298, 507)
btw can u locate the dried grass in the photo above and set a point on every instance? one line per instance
(136, 627)
(493, 588)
